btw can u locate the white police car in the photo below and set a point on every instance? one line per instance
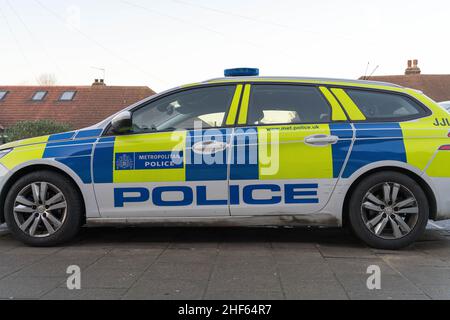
(241, 150)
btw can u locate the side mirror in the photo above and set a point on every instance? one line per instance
(122, 123)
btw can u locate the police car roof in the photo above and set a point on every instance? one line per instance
(304, 79)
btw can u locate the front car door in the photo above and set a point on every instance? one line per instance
(174, 163)
(289, 151)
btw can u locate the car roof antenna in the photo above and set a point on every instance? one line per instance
(376, 68)
(367, 69)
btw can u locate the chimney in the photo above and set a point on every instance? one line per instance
(413, 67)
(99, 82)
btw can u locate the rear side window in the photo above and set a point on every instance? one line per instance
(287, 104)
(385, 106)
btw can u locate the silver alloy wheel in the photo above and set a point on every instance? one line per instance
(390, 210)
(40, 209)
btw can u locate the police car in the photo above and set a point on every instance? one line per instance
(241, 150)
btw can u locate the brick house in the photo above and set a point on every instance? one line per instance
(79, 106)
(436, 86)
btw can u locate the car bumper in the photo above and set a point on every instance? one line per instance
(3, 174)
(442, 187)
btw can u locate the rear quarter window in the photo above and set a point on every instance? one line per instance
(384, 106)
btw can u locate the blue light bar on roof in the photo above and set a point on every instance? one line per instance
(242, 72)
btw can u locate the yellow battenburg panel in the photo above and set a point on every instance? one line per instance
(337, 113)
(284, 155)
(350, 106)
(23, 154)
(231, 119)
(152, 142)
(440, 167)
(424, 136)
(35, 140)
(422, 139)
(244, 105)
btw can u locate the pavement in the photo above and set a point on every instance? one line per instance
(225, 263)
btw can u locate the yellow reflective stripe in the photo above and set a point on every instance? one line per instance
(421, 139)
(23, 154)
(439, 168)
(244, 105)
(351, 108)
(25, 142)
(231, 119)
(337, 113)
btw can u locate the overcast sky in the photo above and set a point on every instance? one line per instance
(165, 43)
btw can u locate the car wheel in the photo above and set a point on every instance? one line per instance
(43, 208)
(388, 210)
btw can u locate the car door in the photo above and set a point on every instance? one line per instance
(288, 151)
(389, 128)
(174, 163)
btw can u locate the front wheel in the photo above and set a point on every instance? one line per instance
(388, 210)
(43, 208)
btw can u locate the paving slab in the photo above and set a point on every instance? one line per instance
(437, 291)
(225, 263)
(27, 287)
(166, 289)
(292, 273)
(95, 278)
(358, 266)
(218, 294)
(242, 281)
(45, 269)
(375, 295)
(125, 262)
(188, 255)
(179, 270)
(84, 294)
(315, 290)
(18, 260)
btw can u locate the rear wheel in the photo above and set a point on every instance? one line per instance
(388, 210)
(43, 209)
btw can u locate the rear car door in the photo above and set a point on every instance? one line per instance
(288, 150)
(389, 128)
(174, 163)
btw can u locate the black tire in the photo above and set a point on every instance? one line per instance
(356, 216)
(73, 218)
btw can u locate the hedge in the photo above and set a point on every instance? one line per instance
(30, 129)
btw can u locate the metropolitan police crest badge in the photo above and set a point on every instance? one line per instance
(125, 161)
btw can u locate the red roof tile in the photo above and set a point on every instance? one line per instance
(90, 105)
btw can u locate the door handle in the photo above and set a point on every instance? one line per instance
(321, 140)
(209, 147)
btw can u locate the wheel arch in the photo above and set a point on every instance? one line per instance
(33, 168)
(420, 181)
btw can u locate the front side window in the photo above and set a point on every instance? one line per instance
(287, 104)
(385, 106)
(190, 109)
